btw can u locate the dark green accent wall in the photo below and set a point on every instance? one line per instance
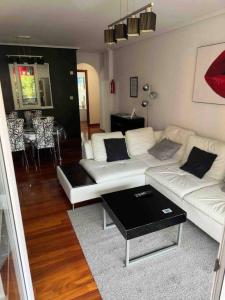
(63, 85)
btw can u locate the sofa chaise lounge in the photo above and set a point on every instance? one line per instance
(202, 199)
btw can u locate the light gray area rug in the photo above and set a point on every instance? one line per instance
(183, 273)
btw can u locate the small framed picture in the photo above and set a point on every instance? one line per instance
(134, 87)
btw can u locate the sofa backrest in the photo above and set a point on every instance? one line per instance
(87, 150)
(179, 135)
(217, 170)
(98, 146)
(139, 140)
(158, 135)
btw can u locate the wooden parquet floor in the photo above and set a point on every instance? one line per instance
(58, 267)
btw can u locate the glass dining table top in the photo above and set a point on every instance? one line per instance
(29, 132)
(58, 131)
(28, 129)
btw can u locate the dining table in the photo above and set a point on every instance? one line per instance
(58, 132)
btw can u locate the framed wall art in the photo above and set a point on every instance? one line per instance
(209, 84)
(134, 87)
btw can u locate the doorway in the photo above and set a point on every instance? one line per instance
(82, 83)
(15, 278)
(89, 94)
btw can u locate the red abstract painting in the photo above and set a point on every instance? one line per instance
(215, 75)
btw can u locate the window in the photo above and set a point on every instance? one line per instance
(28, 85)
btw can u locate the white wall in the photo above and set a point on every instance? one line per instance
(168, 63)
(83, 114)
(109, 101)
(103, 64)
(92, 63)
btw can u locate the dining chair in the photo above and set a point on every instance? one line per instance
(44, 136)
(16, 137)
(50, 118)
(37, 113)
(12, 115)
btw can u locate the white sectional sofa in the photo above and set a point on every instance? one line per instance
(202, 199)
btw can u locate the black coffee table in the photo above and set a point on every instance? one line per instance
(136, 214)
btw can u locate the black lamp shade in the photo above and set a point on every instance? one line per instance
(31, 60)
(109, 36)
(11, 59)
(121, 32)
(40, 60)
(133, 27)
(147, 21)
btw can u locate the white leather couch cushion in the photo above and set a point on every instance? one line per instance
(178, 135)
(98, 146)
(217, 171)
(210, 201)
(87, 151)
(177, 180)
(151, 161)
(106, 171)
(158, 135)
(140, 140)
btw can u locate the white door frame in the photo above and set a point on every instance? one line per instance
(21, 252)
(218, 289)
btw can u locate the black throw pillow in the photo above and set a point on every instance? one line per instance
(199, 162)
(116, 149)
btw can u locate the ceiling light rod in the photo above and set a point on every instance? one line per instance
(16, 55)
(150, 5)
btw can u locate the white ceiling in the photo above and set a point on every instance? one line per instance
(80, 23)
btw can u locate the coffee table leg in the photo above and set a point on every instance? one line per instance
(127, 253)
(105, 225)
(162, 250)
(179, 234)
(104, 219)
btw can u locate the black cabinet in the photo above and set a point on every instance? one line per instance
(123, 122)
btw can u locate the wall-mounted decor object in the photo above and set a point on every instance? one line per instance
(119, 30)
(151, 95)
(134, 87)
(112, 86)
(30, 81)
(209, 85)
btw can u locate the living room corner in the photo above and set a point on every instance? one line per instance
(112, 150)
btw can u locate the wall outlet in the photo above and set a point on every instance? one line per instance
(71, 97)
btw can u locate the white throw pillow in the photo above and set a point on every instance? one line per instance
(98, 146)
(217, 170)
(139, 140)
(178, 135)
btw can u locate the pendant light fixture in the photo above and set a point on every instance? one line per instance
(148, 20)
(119, 31)
(133, 27)
(109, 36)
(121, 28)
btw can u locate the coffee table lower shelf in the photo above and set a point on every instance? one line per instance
(136, 259)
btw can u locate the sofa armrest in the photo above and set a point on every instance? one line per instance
(158, 135)
(87, 151)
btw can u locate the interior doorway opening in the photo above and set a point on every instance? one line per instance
(82, 83)
(89, 98)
